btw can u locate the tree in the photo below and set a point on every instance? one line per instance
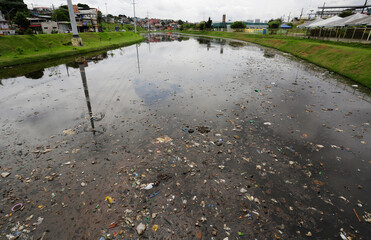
(180, 22)
(209, 24)
(83, 6)
(238, 25)
(11, 7)
(21, 20)
(346, 13)
(201, 26)
(61, 14)
(274, 23)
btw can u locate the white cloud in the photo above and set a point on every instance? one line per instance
(198, 10)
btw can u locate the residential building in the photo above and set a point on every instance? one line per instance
(4, 26)
(86, 20)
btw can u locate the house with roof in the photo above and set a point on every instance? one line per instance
(86, 20)
(4, 26)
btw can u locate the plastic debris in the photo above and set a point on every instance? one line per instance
(17, 207)
(5, 174)
(149, 186)
(163, 139)
(155, 227)
(140, 228)
(68, 132)
(109, 199)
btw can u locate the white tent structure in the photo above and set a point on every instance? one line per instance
(306, 24)
(359, 22)
(344, 21)
(324, 22)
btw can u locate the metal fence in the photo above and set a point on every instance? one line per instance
(354, 34)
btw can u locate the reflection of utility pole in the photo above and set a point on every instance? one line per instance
(86, 91)
(76, 40)
(138, 58)
(135, 19)
(148, 21)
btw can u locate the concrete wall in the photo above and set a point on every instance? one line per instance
(48, 27)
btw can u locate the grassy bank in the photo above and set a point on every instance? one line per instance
(352, 60)
(22, 49)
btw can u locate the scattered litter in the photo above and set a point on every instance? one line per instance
(149, 186)
(17, 207)
(163, 139)
(109, 199)
(5, 174)
(68, 132)
(140, 228)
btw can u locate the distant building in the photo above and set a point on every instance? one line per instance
(49, 27)
(227, 25)
(250, 20)
(42, 11)
(86, 20)
(4, 26)
(257, 20)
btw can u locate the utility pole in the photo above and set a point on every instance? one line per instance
(323, 9)
(135, 19)
(363, 9)
(106, 10)
(301, 14)
(76, 40)
(288, 19)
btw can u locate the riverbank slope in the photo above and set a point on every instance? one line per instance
(21, 49)
(351, 60)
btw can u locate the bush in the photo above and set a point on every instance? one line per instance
(238, 25)
(19, 50)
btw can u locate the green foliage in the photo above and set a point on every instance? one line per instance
(238, 25)
(10, 7)
(83, 6)
(209, 24)
(61, 14)
(50, 44)
(200, 26)
(346, 13)
(180, 22)
(19, 50)
(37, 47)
(274, 23)
(21, 20)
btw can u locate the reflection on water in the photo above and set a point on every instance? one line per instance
(170, 75)
(35, 75)
(161, 37)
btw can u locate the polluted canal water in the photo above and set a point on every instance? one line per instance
(183, 138)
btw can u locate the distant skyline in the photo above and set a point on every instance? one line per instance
(195, 10)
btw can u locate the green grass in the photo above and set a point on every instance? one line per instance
(50, 46)
(352, 60)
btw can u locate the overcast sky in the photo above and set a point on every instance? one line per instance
(198, 10)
